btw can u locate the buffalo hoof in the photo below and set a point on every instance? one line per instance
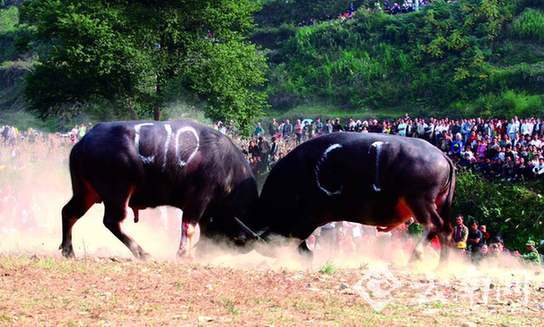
(305, 251)
(185, 255)
(142, 255)
(417, 255)
(68, 252)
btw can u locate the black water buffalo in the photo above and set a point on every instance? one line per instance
(368, 178)
(142, 164)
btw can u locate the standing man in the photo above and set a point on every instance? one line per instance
(287, 129)
(327, 128)
(273, 128)
(318, 126)
(466, 127)
(460, 233)
(299, 131)
(475, 238)
(273, 150)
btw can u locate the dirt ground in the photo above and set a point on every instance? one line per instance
(48, 290)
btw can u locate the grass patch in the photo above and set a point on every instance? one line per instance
(328, 268)
(230, 306)
(529, 25)
(329, 111)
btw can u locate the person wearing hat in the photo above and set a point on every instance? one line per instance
(532, 255)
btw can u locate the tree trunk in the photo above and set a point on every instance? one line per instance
(157, 107)
(130, 106)
(157, 112)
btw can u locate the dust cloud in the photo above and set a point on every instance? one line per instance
(35, 184)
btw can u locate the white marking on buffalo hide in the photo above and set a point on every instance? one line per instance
(137, 128)
(318, 167)
(378, 145)
(228, 182)
(168, 129)
(187, 129)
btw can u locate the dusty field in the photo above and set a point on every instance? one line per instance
(39, 288)
(47, 290)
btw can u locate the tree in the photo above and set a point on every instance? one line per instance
(131, 51)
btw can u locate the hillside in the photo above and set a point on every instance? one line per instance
(464, 58)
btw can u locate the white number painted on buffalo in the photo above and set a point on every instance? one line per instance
(317, 169)
(137, 128)
(177, 144)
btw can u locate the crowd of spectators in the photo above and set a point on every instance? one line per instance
(401, 7)
(497, 148)
(386, 6)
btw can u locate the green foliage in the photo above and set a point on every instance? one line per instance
(9, 18)
(529, 25)
(444, 56)
(504, 105)
(130, 54)
(514, 210)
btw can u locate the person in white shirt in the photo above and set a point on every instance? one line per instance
(538, 169)
(402, 128)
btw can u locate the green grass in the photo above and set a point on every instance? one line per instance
(230, 306)
(529, 25)
(328, 268)
(330, 111)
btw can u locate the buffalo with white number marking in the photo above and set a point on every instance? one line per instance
(372, 179)
(148, 164)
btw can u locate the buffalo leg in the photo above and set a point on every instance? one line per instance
(304, 250)
(190, 230)
(426, 213)
(442, 228)
(113, 216)
(71, 212)
(189, 237)
(420, 209)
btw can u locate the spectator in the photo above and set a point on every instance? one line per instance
(273, 127)
(460, 233)
(337, 126)
(532, 254)
(287, 129)
(298, 131)
(475, 238)
(259, 131)
(485, 234)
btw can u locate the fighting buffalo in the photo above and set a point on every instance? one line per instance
(372, 179)
(140, 165)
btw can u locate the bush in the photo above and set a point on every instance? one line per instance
(504, 105)
(513, 210)
(529, 25)
(9, 18)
